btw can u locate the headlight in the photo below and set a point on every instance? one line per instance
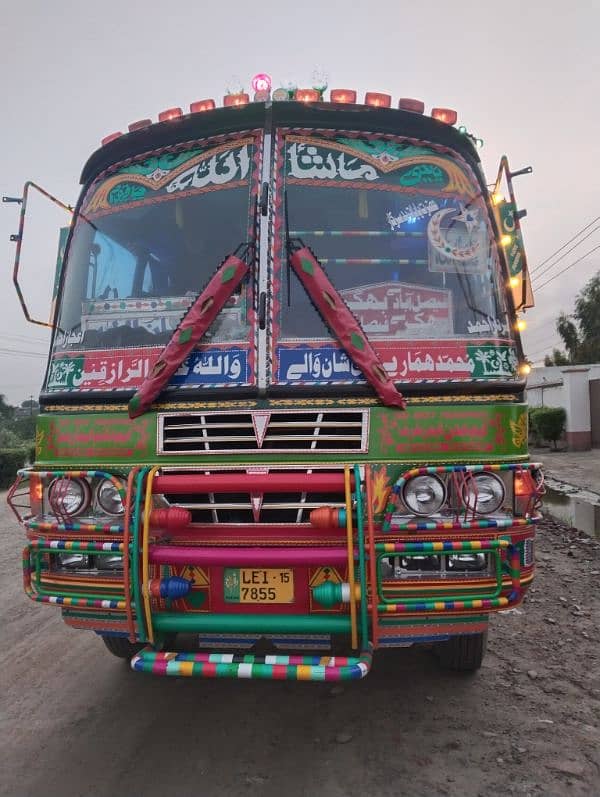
(424, 495)
(483, 493)
(109, 499)
(467, 561)
(73, 560)
(68, 497)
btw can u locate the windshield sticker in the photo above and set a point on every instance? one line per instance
(403, 310)
(415, 362)
(309, 162)
(411, 213)
(226, 164)
(123, 369)
(487, 325)
(457, 238)
(323, 160)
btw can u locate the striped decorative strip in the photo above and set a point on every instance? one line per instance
(446, 606)
(271, 667)
(446, 545)
(85, 528)
(80, 546)
(375, 261)
(358, 233)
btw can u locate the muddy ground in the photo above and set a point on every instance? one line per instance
(75, 721)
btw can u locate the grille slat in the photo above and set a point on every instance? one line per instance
(267, 431)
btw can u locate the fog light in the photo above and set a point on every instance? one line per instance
(424, 495)
(109, 499)
(68, 496)
(483, 493)
(73, 561)
(466, 561)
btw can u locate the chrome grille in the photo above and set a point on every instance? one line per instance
(280, 431)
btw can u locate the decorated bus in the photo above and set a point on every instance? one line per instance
(283, 422)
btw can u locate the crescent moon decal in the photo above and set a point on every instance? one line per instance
(443, 246)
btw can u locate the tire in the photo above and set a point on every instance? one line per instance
(121, 647)
(462, 653)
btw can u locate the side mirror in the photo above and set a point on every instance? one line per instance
(18, 239)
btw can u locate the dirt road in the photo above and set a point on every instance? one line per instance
(75, 721)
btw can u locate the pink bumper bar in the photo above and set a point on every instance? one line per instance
(246, 557)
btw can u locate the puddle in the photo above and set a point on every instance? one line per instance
(573, 509)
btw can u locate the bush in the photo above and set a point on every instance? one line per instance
(549, 422)
(11, 459)
(534, 437)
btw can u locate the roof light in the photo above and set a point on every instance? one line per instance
(261, 82)
(446, 115)
(497, 198)
(378, 100)
(170, 113)
(342, 95)
(506, 240)
(230, 100)
(139, 125)
(525, 369)
(416, 106)
(202, 105)
(521, 324)
(514, 282)
(107, 139)
(308, 95)
(280, 95)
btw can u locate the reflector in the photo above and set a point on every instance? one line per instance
(170, 113)
(307, 95)
(446, 115)
(378, 100)
(235, 99)
(342, 95)
(202, 105)
(406, 104)
(139, 125)
(111, 137)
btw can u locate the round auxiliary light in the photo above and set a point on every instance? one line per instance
(280, 95)
(69, 497)
(261, 82)
(424, 495)
(109, 499)
(483, 493)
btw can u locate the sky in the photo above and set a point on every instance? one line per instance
(523, 75)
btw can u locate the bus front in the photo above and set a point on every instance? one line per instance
(283, 409)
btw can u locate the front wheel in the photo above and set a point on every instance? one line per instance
(462, 653)
(121, 647)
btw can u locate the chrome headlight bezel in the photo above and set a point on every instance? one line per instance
(472, 501)
(58, 508)
(104, 486)
(426, 482)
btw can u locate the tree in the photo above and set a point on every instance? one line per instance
(556, 358)
(6, 411)
(581, 330)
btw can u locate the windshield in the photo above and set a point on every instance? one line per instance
(403, 233)
(148, 238)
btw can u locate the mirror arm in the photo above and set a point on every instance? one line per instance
(18, 239)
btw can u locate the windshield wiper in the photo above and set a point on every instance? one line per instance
(192, 327)
(342, 322)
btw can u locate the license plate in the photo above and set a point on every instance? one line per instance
(258, 585)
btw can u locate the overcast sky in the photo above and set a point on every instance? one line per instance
(524, 76)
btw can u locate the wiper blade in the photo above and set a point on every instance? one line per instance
(343, 324)
(192, 327)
